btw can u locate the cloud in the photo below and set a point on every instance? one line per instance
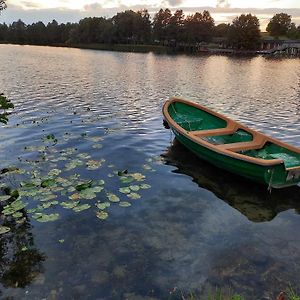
(108, 8)
(223, 3)
(29, 5)
(172, 3)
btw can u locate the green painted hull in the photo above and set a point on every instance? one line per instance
(273, 176)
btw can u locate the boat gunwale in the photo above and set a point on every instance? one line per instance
(235, 155)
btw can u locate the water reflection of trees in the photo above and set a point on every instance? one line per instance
(251, 199)
(20, 260)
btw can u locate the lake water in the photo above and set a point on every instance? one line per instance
(84, 115)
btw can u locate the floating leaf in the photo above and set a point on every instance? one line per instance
(75, 197)
(103, 205)
(83, 186)
(46, 218)
(54, 172)
(88, 194)
(124, 204)
(13, 207)
(97, 189)
(126, 179)
(47, 197)
(145, 186)
(112, 197)
(101, 182)
(110, 175)
(93, 164)
(94, 139)
(134, 188)
(4, 197)
(102, 215)
(61, 241)
(138, 176)
(17, 215)
(82, 207)
(47, 183)
(134, 196)
(125, 190)
(97, 146)
(4, 229)
(69, 205)
(83, 156)
(147, 167)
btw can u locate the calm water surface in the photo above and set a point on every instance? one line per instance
(195, 229)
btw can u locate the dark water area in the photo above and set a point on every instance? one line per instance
(156, 222)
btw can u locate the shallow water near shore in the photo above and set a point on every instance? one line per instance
(174, 224)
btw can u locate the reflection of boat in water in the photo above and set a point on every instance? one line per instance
(252, 200)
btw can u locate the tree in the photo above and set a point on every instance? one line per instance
(17, 32)
(279, 25)
(199, 27)
(221, 30)
(244, 33)
(2, 5)
(176, 26)
(160, 24)
(293, 32)
(5, 104)
(37, 33)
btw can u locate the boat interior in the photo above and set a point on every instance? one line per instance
(226, 134)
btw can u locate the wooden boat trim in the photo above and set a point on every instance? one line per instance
(258, 137)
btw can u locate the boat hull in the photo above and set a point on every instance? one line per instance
(273, 176)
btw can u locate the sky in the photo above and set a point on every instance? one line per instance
(72, 11)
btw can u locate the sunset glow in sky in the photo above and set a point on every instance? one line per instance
(72, 11)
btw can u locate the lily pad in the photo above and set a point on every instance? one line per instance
(4, 197)
(124, 204)
(134, 188)
(112, 197)
(13, 207)
(93, 165)
(103, 205)
(102, 215)
(69, 205)
(134, 196)
(87, 194)
(75, 197)
(138, 176)
(43, 218)
(83, 186)
(4, 229)
(47, 182)
(125, 190)
(54, 172)
(145, 186)
(101, 182)
(126, 179)
(82, 207)
(17, 215)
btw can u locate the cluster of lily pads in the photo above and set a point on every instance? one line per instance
(40, 194)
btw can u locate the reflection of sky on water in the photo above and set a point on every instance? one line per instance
(216, 231)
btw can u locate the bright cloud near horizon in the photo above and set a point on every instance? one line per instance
(72, 11)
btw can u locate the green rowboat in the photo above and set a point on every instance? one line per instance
(232, 146)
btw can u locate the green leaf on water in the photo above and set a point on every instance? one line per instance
(124, 204)
(87, 194)
(101, 182)
(69, 205)
(134, 188)
(125, 190)
(54, 172)
(138, 176)
(83, 186)
(83, 156)
(4, 197)
(94, 139)
(110, 175)
(97, 189)
(17, 215)
(47, 182)
(103, 205)
(145, 186)
(4, 229)
(112, 197)
(126, 179)
(93, 164)
(43, 218)
(61, 241)
(134, 196)
(82, 207)
(102, 215)
(75, 197)
(13, 207)
(147, 167)
(97, 146)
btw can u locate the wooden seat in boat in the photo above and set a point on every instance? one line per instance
(229, 129)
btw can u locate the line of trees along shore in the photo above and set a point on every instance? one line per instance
(166, 28)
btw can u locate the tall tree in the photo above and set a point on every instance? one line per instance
(176, 26)
(160, 24)
(279, 25)
(2, 5)
(199, 27)
(244, 32)
(17, 32)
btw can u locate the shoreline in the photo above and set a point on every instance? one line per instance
(159, 49)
